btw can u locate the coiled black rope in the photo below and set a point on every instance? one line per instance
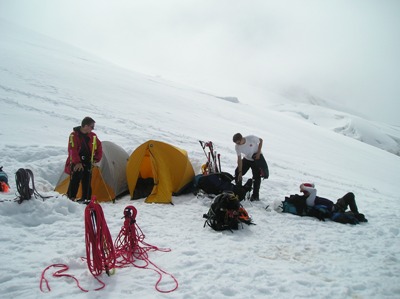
(23, 177)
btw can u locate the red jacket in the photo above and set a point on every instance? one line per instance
(80, 144)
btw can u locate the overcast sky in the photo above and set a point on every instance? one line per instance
(346, 51)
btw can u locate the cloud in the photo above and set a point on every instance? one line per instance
(344, 51)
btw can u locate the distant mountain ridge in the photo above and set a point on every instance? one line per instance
(304, 105)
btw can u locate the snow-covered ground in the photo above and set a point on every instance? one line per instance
(47, 87)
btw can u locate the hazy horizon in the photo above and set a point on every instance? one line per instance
(345, 52)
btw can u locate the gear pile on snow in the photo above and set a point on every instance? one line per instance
(226, 213)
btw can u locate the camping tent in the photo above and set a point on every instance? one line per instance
(166, 166)
(108, 178)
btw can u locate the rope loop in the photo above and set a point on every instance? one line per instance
(130, 248)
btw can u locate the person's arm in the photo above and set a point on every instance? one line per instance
(259, 149)
(239, 163)
(311, 192)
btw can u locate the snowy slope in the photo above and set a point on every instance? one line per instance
(47, 87)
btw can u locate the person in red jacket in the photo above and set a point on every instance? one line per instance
(84, 148)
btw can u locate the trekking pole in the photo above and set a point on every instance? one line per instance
(211, 148)
(203, 147)
(210, 164)
(211, 154)
(215, 162)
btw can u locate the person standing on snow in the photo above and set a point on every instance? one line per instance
(250, 146)
(83, 148)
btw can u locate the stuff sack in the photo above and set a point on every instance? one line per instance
(226, 213)
(217, 183)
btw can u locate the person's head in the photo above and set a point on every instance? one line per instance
(87, 124)
(305, 185)
(237, 138)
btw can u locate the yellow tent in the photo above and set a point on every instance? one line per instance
(167, 166)
(108, 179)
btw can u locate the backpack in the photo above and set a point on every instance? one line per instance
(23, 177)
(3, 181)
(3, 176)
(226, 213)
(295, 204)
(217, 183)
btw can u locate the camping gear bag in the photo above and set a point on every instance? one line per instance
(217, 183)
(226, 213)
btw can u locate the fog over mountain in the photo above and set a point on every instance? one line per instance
(345, 52)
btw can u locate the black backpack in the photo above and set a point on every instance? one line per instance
(217, 183)
(226, 212)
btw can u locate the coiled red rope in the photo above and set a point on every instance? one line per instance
(103, 255)
(130, 247)
(100, 253)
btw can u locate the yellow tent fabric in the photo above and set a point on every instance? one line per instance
(108, 179)
(167, 165)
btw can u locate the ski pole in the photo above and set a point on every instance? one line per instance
(210, 164)
(202, 143)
